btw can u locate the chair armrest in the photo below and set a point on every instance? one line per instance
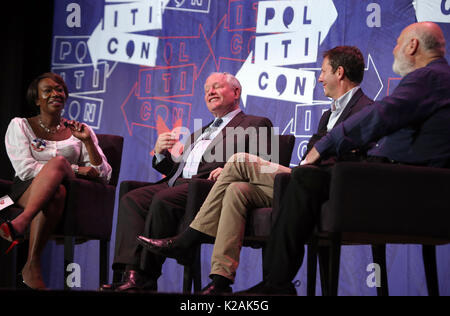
(279, 187)
(129, 185)
(388, 199)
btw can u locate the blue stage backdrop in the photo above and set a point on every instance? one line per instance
(137, 69)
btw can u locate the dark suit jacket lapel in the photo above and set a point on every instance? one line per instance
(235, 122)
(324, 121)
(195, 135)
(349, 106)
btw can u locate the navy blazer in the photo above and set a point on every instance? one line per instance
(356, 103)
(410, 126)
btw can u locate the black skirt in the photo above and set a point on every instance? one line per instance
(19, 187)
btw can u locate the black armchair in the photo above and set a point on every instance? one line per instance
(372, 203)
(259, 221)
(89, 208)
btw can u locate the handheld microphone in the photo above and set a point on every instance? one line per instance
(66, 124)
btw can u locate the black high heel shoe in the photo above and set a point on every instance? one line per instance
(8, 232)
(21, 283)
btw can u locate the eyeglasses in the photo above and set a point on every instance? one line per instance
(48, 91)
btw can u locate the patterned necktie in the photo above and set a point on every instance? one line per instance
(211, 129)
(205, 135)
(217, 122)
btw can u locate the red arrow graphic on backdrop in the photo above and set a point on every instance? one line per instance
(160, 114)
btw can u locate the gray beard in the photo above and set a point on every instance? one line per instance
(402, 67)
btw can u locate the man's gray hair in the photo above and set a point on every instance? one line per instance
(431, 36)
(231, 79)
(433, 43)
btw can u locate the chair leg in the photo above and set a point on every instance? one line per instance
(104, 259)
(429, 261)
(198, 272)
(69, 245)
(333, 268)
(187, 279)
(311, 268)
(379, 257)
(324, 263)
(192, 274)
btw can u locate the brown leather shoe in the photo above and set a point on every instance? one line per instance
(136, 281)
(168, 247)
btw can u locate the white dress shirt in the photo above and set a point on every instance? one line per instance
(201, 144)
(196, 154)
(338, 106)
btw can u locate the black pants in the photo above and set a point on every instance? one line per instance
(308, 189)
(154, 211)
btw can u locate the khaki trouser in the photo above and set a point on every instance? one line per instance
(246, 182)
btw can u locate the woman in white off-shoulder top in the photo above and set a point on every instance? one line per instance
(44, 150)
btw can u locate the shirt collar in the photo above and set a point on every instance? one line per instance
(229, 116)
(340, 103)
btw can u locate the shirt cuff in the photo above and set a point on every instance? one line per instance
(75, 168)
(159, 157)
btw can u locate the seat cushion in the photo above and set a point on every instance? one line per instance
(388, 199)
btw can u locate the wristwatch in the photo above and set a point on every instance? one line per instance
(75, 168)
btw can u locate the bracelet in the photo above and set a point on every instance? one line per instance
(75, 168)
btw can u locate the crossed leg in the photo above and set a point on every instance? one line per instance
(43, 204)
